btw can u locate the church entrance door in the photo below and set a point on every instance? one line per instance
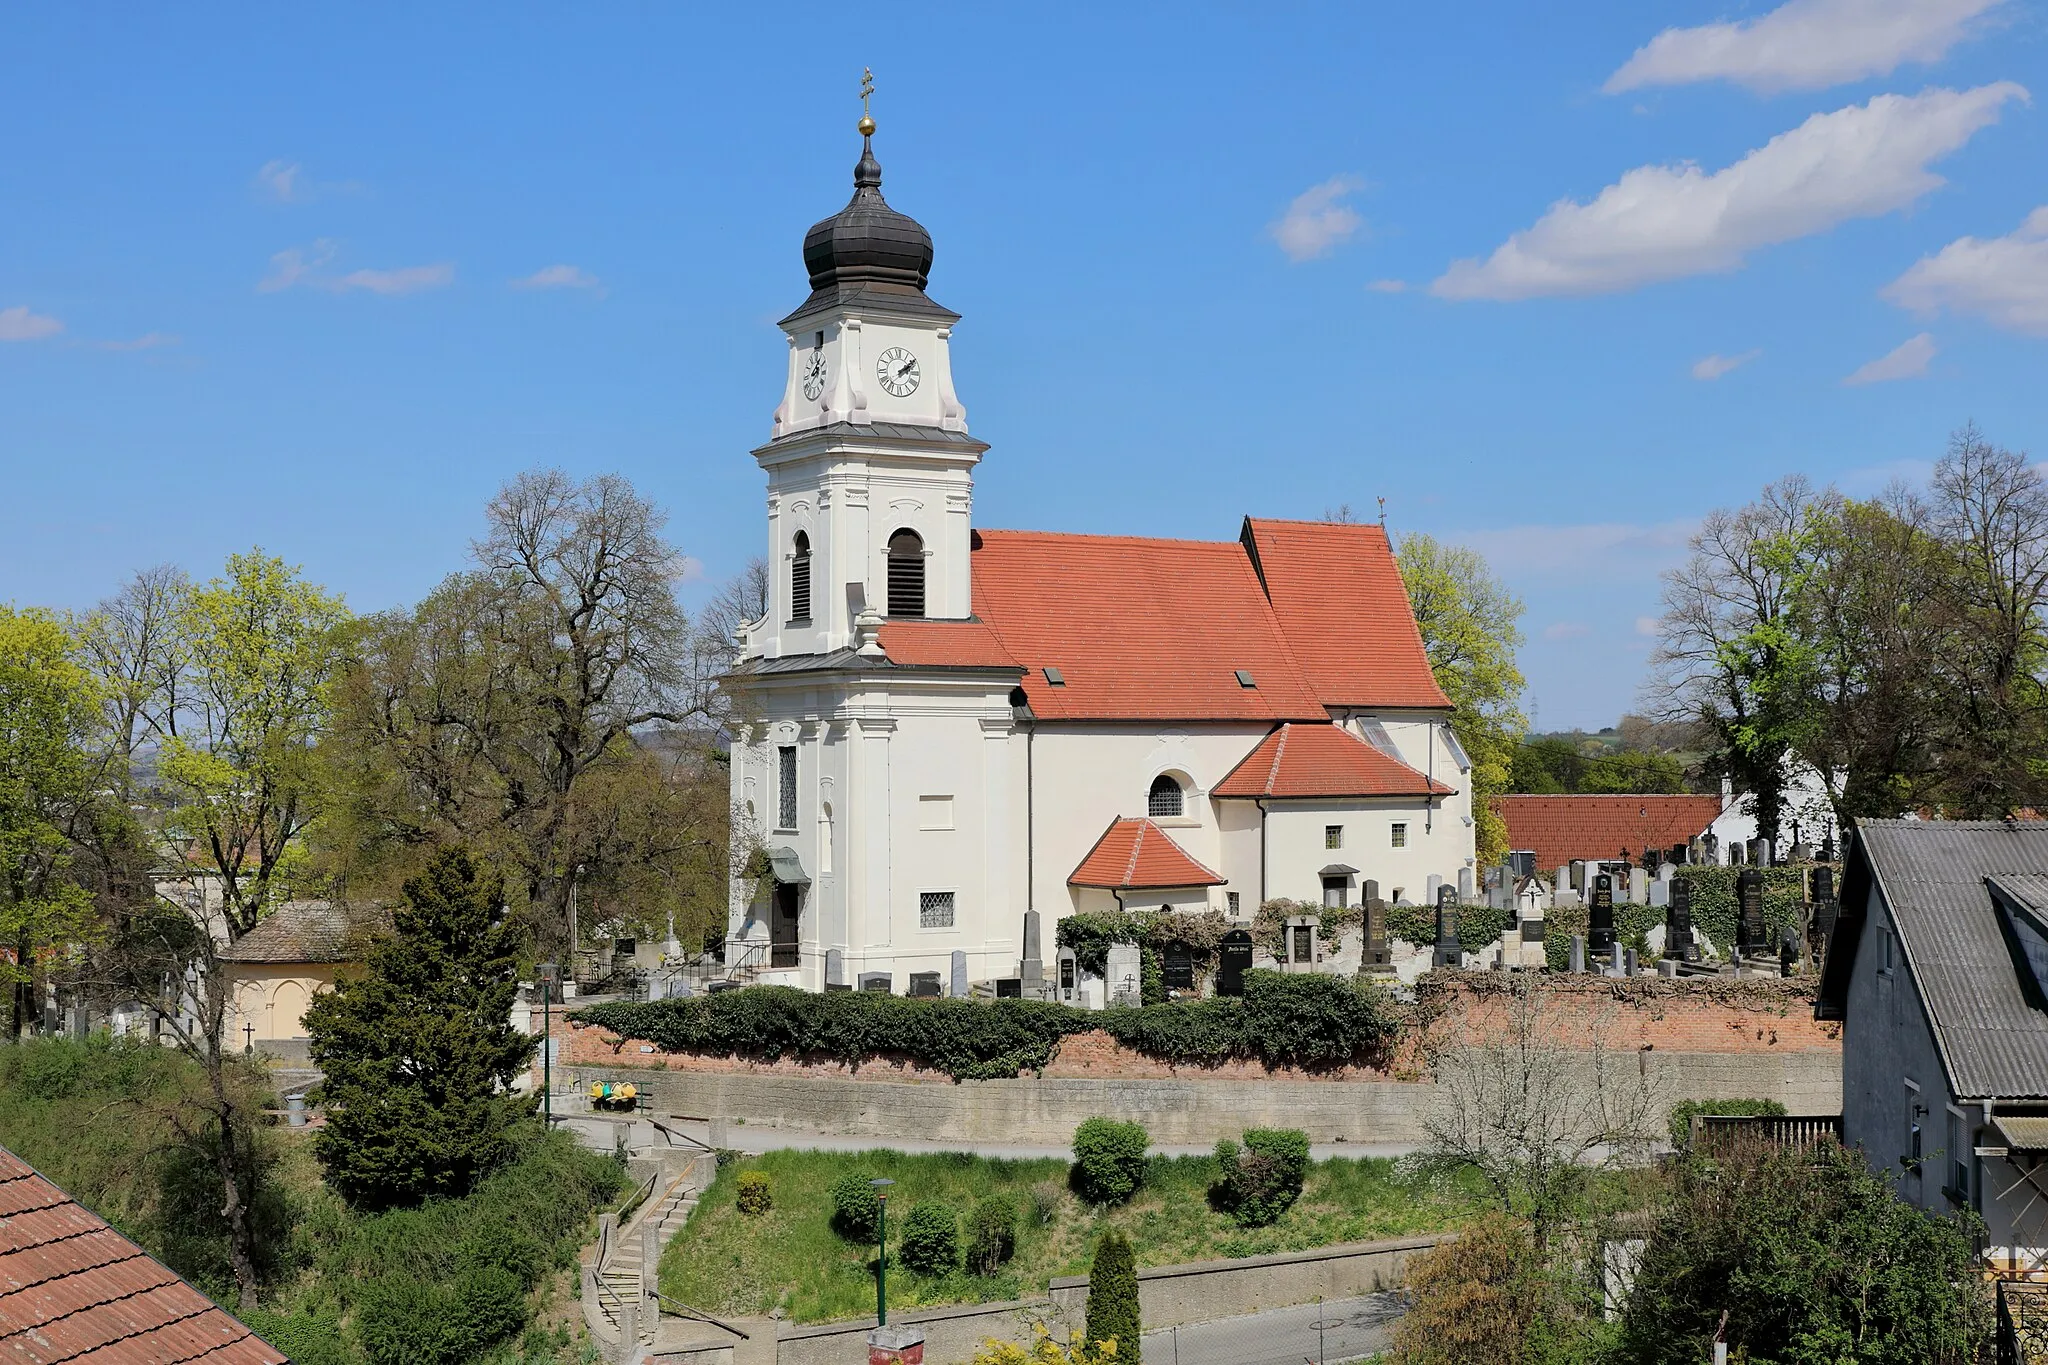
(782, 925)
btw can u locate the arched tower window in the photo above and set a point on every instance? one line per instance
(906, 574)
(1166, 797)
(800, 579)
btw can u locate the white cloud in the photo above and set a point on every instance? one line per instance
(1388, 286)
(1648, 625)
(1714, 366)
(19, 324)
(148, 341)
(1667, 222)
(2003, 280)
(1318, 219)
(280, 180)
(1909, 361)
(295, 264)
(1566, 630)
(1805, 44)
(559, 277)
(409, 279)
(1594, 552)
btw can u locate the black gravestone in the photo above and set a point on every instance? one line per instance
(625, 947)
(1009, 988)
(1377, 954)
(1600, 917)
(1749, 907)
(1678, 939)
(1303, 944)
(875, 981)
(1823, 884)
(1177, 966)
(1233, 960)
(1448, 950)
(924, 985)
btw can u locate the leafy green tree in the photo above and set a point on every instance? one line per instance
(1471, 627)
(1813, 1258)
(1631, 770)
(1113, 1295)
(419, 1050)
(49, 714)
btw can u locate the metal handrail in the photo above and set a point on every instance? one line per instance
(632, 1206)
(672, 1134)
(683, 1310)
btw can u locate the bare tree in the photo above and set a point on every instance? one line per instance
(1536, 1097)
(132, 645)
(742, 601)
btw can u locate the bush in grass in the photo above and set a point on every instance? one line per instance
(400, 1320)
(1113, 1296)
(931, 1238)
(991, 1234)
(1045, 1202)
(1109, 1160)
(754, 1197)
(1682, 1114)
(1262, 1180)
(856, 1208)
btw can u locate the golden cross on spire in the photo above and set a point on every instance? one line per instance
(867, 88)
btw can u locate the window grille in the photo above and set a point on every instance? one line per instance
(785, 805)
(1165, 798)
(906, 574)
(935, 910)
(1234, 900)
(1400, 836)
(1333, 836)
(800, 579)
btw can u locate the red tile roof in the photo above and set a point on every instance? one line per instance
(1561, 828)
(1137, 855)
(1338, 594)
(1139, 629)
(310, 931)
(1323, 760)
(73, 1289)
(944, 644)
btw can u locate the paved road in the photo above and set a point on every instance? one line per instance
(1352, 1329)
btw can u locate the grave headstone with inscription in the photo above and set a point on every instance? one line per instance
(1600, 918)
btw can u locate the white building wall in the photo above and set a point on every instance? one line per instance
(1296, 850)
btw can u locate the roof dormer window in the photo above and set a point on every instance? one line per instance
(1055, 677)
(1245, 679)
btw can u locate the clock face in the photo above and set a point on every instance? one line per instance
(814, 375)
(897, 370)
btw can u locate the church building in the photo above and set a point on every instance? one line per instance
(949, 733)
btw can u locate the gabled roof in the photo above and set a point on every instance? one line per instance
(1934, 877)
(309, 931)
(1323, 760)
(1138, 629)
(1338, 594)
(1562, 828)
(73, 1289)
(1137, 855)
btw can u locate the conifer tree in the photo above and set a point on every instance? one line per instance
(419, 1050)
(1113, 1295)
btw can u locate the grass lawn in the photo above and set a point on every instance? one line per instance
(724, 1261)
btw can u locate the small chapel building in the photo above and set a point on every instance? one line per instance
(950, 736)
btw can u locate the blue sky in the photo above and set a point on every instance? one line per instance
(258, 265)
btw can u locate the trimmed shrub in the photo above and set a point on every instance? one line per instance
(991, 1234)
(1109, 1160)
(931, 1238)
(856, 1209)
(1682, 1114)
(1113, 1295)
(1262, 1180)
(754, 1198)
(402, 1320)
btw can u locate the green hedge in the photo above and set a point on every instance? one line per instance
(1682, 1114)
(1308, 1021)
(1478, 925)
(1713, 901)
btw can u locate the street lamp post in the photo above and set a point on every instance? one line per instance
(546, 973)
(881, 1188)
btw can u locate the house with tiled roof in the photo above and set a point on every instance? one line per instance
(294, 953)
(73, 1289)
(956, 736)
(1595, 827)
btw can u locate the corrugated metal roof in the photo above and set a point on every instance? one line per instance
(72, 1288)
(2022, 1133)
(1932, 875)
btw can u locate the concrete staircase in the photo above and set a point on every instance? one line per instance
(619, 1285)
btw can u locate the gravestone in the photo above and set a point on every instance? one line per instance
(1465, 886)
(1369, 892)
(1826, 909)
(835, 968)
(1009, 988)
(1578, 957)
(1122, 975)
(1578, 866)
(1638, 887)
(1429, 886)
(875, 981)
(1069, 974)
(1300, 944)
(1032, 968)
(1446, 953)
(1788, 951)
(1628, 962)
(1749, 908)
(1678, 938)
(1233, 960)
(1377, 956)
(1177, 967)
(1600, 918)
(924, 986)
(956, 981)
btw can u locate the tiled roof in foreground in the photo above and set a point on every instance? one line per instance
(1137, 855)
(74, 1290)
(1325, 761)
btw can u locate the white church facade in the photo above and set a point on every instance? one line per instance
(947, 730)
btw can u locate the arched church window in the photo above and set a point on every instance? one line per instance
(906, 574)
(1166, 797)
(800, 579)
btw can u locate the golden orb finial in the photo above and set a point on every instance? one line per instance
(867, 88)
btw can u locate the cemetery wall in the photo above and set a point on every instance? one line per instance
(1704, 1038)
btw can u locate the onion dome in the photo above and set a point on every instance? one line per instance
(868, 252)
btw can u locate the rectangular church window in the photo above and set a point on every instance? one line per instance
(785, 802)
(934, 909)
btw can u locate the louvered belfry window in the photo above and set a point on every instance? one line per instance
(800, 579)
(906, 574)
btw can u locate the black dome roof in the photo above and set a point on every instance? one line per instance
(867, 241)
(868, 255)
